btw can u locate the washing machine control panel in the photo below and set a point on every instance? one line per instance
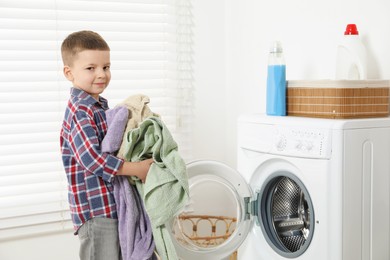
(302, 142)
(286, 140)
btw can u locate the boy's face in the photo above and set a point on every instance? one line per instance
(90, 71)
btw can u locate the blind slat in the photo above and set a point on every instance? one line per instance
(33, 168)
(29, 178)
(31, 220)
(35, 158)
(30, 200)
(8, 141)
(34, 210)
(31, 107)
(45, 228)
(23, 191)
(26, 149)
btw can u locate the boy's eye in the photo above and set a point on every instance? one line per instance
(106, 68)
(90, 68)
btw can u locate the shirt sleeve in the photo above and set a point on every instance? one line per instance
(85, 145)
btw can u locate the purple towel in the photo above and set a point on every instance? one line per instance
(116, 120)
(135, 232)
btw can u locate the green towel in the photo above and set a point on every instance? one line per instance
(166, 189)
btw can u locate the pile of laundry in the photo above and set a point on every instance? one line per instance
(136, 133)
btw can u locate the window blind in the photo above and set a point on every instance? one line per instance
(151, 53)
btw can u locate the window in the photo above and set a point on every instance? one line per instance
(151, 53)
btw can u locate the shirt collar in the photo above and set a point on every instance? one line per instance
(87, 98)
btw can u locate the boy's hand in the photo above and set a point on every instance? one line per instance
(138, 169)
(144, 169)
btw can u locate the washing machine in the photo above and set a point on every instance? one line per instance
(304, 188)
(322, 187)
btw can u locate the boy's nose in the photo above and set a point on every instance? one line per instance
(101, 73)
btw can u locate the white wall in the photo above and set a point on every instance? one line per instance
(58, 246)
(232, 39)
(209, 132)
(235, 66)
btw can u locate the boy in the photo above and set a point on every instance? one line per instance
(86, 58)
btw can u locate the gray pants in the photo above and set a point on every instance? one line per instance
(99, 240)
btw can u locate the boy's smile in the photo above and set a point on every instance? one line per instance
(90, 71)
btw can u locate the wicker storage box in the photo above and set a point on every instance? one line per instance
(338, 98)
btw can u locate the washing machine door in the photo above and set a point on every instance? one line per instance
(217, 219)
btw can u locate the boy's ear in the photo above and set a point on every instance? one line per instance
(68, 73)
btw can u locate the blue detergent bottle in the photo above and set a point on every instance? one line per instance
(276, 81)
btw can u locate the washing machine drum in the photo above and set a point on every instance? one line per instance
(286, 214)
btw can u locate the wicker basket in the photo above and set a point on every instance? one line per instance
(216, 230)
(338, 98)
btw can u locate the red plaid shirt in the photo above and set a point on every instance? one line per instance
(88, 170)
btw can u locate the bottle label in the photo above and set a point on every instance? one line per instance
(276, 90)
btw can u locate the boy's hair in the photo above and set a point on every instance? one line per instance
(81, 41)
